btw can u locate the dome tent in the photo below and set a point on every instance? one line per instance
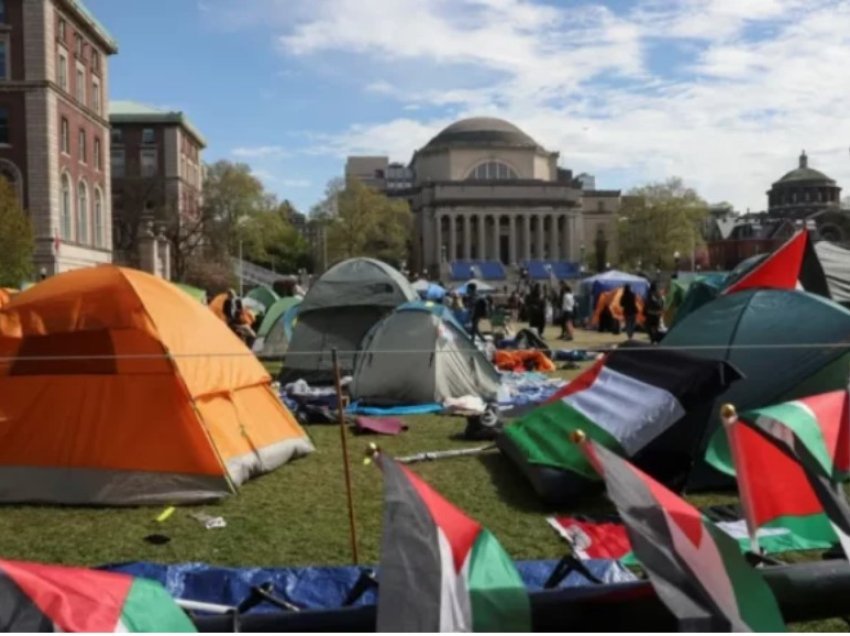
(419, 354)
(776, 339)
(137, 410)
(594, 286)
(340, 308)
(273, 335)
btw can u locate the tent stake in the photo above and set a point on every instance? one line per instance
(344, 440)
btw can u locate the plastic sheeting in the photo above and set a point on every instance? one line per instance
(320, 587)
(836, 264)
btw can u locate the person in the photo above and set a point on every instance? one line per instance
(628, 302)
(477, 307)
(654, 308)
(568, 306)
(536, 307)
(231, 309)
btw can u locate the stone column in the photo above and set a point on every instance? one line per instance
(554, 253)
(568, 253)
(526, 236)
(512, 229)
(538, 244)
(497, 238)
(438, 239)
(481, 252)
(467, 243)
(452, 237)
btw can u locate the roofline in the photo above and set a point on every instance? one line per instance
(82, 13)
(175, 117)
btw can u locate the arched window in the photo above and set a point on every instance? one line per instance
(65, 220)
(492, 170)
(98, 218)
(83, 214)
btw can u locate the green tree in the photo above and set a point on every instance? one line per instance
(364, 222)
(659, 219)
(16, 239)
(270, 240)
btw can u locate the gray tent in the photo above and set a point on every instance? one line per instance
(341, 306)
(419, 354)
(836, 265)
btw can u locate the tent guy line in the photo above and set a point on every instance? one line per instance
(158, 356)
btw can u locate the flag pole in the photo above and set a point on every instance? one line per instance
(342, 436)
(729, 418)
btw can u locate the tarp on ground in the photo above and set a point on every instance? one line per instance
(419, 354)
(274, 332)
(118, 388)
(340, 308)
(788, 344)
(836, 264)
(316, 587)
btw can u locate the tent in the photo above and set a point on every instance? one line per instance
(198, 294)
(264, 296)
(592, 287)
(787, 344)
(428, 290)
(836, 264)
(480, 287)
(273, 334)
(119, 389)
(419, 354)
(341, 306)
(611, 300)
(6, 295)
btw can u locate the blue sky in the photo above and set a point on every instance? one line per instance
(719, 92)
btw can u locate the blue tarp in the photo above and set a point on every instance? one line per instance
(414, 409)
(318, 587)
(614, 279)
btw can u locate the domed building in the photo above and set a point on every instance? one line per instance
(803, 192)
(484, 190)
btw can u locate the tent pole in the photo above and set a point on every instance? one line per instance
(342, 436)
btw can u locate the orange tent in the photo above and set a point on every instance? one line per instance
(217, 307)
(118, 388)
(6, 294)
(611, 300)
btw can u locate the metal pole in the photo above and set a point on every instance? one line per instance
(729, 420)
(241, 271)
(343, 439)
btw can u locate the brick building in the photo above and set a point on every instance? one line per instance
(157, 182)
(54, 133)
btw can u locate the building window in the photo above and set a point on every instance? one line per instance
(66, 137)
(98, 218)
(98, 157)
(149, 163)
(78, 43)
(116, 136)
(81, 85)
(4, 125)
(118, 163)
(66, 208)
(5, 71)
(148, 136)
(95, 60)
(492, 170)
(83, 214)
(95, 96)
(62, 71)
(82, 150)
(62, 29)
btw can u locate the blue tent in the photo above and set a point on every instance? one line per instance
(596, 285)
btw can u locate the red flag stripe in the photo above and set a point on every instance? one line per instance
(582, 382)
(832, 411)
(780, 270)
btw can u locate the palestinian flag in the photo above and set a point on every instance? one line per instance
(794, 265)
(440, 570)
(697, 570)
(625, 402)
(48, 598)
(795, 455)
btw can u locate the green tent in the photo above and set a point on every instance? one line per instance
(273, 334)
(198, 294)
(787, 343)
(263, 295)
(700, 292)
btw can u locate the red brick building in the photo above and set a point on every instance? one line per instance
(54, 131)
(157, 182)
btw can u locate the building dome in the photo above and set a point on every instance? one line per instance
(477, 132)
(804, 173)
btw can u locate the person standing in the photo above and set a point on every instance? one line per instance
(628, 301)
(654, 309)
(568, 306)
(536, 308)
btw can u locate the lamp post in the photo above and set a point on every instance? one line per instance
(676, 257)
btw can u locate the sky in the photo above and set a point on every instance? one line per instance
(723, 93)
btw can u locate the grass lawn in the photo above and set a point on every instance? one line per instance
(297, 515)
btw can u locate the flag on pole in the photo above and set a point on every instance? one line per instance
(796, 454)
(794, 265)
(697, 570)
(440, 570)
(624, 402)
(37, 598)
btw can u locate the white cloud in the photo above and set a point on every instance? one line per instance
(296, 183)
(260, 152)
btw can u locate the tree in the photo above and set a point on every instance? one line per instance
(364, 222)
(270, 240)
(659, 219)
(16, 239)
